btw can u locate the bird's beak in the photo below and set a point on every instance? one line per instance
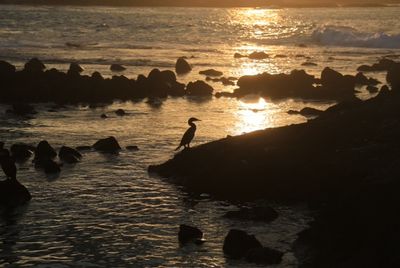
(198, 120)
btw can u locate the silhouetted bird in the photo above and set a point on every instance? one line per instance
(8, 164)
(189, 134)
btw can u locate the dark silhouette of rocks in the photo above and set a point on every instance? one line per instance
(211, 72)
(266, 214)
(107, 145)
(307, 111)
(13, 193)
(264, 255)
(34, 66)
(182, 66)
(120, 112)
(132, 148)
(117, 68)
(372, 89)
(45, 150)
(48, 165)
(199, 88)
(104, 116)
(69, 155)
(382, 65)
(238, 243)
(189, 234)
(21, 152)
(226, 81)
(6, 68)
(22, 109)
(74, 69)
(258, 55)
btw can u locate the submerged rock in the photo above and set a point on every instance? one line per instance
(189, 234)
(211, 72)
(307, 111)
(22, 109)
(132, 148)
(117, 68)
(120, 112)
(84, 148)
(182, 66)
(13, 193)
(258, 55)
(107, 145)
(238, 243)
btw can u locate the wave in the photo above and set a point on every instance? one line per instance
(350, 37)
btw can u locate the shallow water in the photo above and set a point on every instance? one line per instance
(107, 211)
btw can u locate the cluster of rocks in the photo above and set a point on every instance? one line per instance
(256, 55)
(238, 244)
(332, 85)
(35, 83)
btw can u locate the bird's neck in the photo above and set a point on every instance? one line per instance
(191, 124)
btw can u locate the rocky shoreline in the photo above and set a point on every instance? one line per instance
(345, 164)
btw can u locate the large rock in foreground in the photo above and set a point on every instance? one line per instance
(238, 243)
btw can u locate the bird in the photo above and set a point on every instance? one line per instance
(8, 164)
(189, 134)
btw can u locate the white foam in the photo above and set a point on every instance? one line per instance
(350, 37)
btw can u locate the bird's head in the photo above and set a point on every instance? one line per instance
(193, 119)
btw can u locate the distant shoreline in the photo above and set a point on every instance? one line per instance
(196, 3)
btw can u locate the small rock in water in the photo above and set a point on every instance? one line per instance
(120, 112)
(258, 55)
(69, 155)
(21, 152)
(190, 234)
(44, 150)
(117, 68)
(182, 66)
(211, 72)
(107, 145)
(104, 116)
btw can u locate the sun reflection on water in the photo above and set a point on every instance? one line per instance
(252, 114)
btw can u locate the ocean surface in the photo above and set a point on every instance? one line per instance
(107, 211)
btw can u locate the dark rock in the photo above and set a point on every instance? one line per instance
(13, 193)
(69, 155)
(309, 64)
(48, 165)
(22, 109)
(117, 68)
(307, 111)
(280, 56)
(258, 55)
(84, 148)
(97, 76)
(189, 234)
(182, 66)
(225, 94)
(74, 69)
(21, 152)
(34, 66)
(255, 214)
(132, 148)
(264, 256)
(393, 76)
(107, 145)
(120, 112)
(382, 65)
(199, 88)
(6, 69)
(238, 243)
(44, 150)
(103, 116)
(238, 56)
(211, 72)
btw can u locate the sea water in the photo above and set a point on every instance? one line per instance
(107, 211)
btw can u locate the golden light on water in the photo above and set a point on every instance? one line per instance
(252, 115)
